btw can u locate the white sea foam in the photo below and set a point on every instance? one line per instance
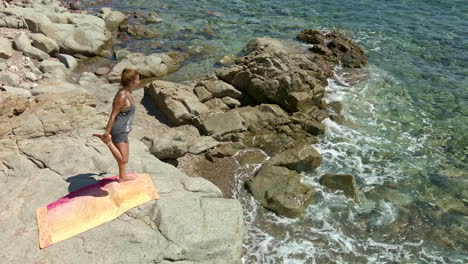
(370, 145)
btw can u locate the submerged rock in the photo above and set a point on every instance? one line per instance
(341, 182)
(334, 46)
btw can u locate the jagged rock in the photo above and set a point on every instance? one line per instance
(202, 144)
(216, 105)
(280, 190)
(69, 61)
(220, 124)
(221, 89)
(275, 71)
(335, 46)
(9, 78)
(311, 36)
(10, 20)
(231, 102)
(342, 182)
(23, 43)
(299, 158)
(176, 101)
(202, 93)
(258, 117)
(44, 43)
(5, 48)
(169, 146)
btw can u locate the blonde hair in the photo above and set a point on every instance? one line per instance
(128, 75)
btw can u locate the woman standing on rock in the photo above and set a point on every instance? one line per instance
(120, 122)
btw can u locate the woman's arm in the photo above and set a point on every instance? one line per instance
(119, 101)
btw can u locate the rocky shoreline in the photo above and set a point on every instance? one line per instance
(264, 109)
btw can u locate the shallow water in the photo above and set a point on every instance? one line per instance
(405, 137)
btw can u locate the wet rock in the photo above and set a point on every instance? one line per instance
(227, 60)
(153, 18)
(311, 36)
(341, 182)
(334, 47)
(280, 190)
(6, 50)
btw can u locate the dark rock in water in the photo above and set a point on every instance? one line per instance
(342, 182)
(153, 18)
(75, 5)
(339, 119)
(334, 46)
(311, 36)
(320, 49)
(280, 190)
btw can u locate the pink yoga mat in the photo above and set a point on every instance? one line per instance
(91, 206)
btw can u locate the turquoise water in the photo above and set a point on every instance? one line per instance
(405, 137)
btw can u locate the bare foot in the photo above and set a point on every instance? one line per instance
(128, 177)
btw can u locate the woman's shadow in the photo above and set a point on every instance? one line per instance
(83, 185)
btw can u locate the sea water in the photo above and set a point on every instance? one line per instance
(405, 134)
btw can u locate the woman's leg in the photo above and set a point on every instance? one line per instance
(120, 151)
(123, 150)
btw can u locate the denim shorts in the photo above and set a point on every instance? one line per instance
(121, 137)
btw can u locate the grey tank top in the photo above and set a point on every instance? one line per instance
(124, 120)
